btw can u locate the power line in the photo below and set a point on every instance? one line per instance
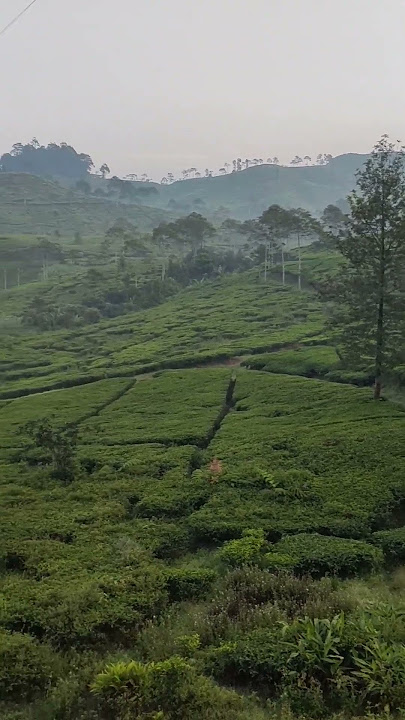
(17, 17)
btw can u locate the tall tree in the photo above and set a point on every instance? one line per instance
(370, 290)
(334, 219)
(104, 170)
(280, 226)
(191, 230)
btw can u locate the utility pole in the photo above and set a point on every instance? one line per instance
(5, 278)
(282, 263)
(299, 261)
(18, 277)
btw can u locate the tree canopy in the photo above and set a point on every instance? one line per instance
(46, 160)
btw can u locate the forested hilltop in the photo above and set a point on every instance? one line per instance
(241, 189)
(201, 456)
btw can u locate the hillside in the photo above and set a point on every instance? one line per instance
(32, 205)
(231, 316)
(246, 194)
(203, 495)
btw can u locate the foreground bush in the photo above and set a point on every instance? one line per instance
(171, 690)
(26, 667)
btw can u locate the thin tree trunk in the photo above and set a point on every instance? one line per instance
(379, 350)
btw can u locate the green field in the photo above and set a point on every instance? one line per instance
(149, 522)
(233, 316)
(234, 498)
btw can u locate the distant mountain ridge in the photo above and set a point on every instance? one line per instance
(30, 204)
(247, 193)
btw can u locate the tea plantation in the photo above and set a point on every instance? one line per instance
(230, 543)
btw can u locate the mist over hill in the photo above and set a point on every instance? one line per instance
(247, 193)
(32, 205)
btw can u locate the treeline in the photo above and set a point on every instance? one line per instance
(62, 160)
(46, 160)
(177, 254)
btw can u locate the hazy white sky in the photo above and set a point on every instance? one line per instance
(159, 85)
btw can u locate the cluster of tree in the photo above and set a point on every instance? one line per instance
(367, 298)
(53, 446)
(123, 190)
(238, 165)
(46, 160)
(185, 233)
(63, 161)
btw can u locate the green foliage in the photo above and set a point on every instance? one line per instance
(188, 644)
(310, 362)
(176, 334)
(380, 673)
(189, 583)
(319, 555)
(26, 667)
(314, 645)
(59, 444)
(245, 550)
(170, 689)
(392, 543)
(369, 300)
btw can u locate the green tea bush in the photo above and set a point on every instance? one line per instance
(170, 689)
(308, 361)
(244, 551)
(253, 659)
(392, 543)
(318, 555)
(189, 583)
(359, 378)
(26, 667)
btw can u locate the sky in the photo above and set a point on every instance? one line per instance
(161, 85)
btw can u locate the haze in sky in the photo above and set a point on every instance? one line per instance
(159, 85)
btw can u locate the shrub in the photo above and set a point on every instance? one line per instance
(313, 646)
(309, 362)
(318, 555)
(245, 550)
(359, 378)
(253, 659)
(274, 561)
(380, 674)
(171, 689)
(188, 644)
(392, 543)
(26, 667)
(189, 583)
